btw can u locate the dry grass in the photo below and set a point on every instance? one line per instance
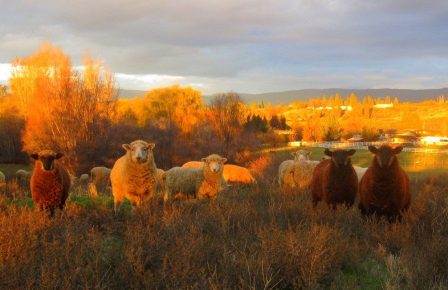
(248, 238)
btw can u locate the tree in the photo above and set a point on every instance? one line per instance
(64, 110)
(174, 106)
(333, 129)
(227, 114)
(274, 122)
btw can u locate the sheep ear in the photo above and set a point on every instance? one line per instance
(373, 149)
(126, 147)
(224, 160)
(59, 155)
(351, 152)
(204, 160)
(293, 154)
(328, 152)
(151, 146)
(398, 149)
(35, 156)
(308, 153)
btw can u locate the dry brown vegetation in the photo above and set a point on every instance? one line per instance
(248, 238)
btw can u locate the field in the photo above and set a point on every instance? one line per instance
(248, 238)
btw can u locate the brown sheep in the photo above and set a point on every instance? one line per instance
(334, 180)
(50, 182)
(384, 188)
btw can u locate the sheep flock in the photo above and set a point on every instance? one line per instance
(382, 188)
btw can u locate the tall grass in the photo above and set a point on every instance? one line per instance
(247, 238)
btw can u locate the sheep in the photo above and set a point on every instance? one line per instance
(2, 179)
(23, 177)
(134, 175)
(50, 182)
(232, 173)
(334, 180)
(237, 174)
(384, 188)
(100, 178)
(83, 179)
(301, 155)
(296, 173)
(204, 182)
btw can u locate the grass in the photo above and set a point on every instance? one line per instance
(248, 238)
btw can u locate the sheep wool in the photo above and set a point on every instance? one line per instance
(134, 175)
(50, 182)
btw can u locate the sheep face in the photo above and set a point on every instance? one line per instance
(215, 163)
(46, 159)
(140, 151)
(301, 155)
(340, 158)
(385, 155)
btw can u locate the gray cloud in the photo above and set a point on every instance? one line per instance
(244, 45)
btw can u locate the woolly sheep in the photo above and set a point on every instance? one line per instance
(231, 173)
(50, 182)
(134, 175)
(334, 180)
(296, 173)
(100, 178)
(203, 182)
(84, 179)
(384, 188)
(23, 177)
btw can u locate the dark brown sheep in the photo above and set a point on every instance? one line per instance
(334, 180)
(384, 188)
(50, 182)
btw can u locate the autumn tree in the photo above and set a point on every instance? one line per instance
(174, 106)
(227, 115)
(64, 110)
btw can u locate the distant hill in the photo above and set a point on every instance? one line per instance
(286, 97)
(127, 94)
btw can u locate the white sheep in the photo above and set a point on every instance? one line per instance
(134, 175)
(296, 173)
(204, 182)
(231, 173)
(83, 179)
(23, 177)
(100, 177)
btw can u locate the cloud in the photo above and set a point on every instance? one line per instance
(242, 45)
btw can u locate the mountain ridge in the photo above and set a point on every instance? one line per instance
(289, 96)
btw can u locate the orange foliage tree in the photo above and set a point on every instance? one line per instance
(64, 110)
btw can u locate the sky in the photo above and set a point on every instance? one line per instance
(248, 46)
